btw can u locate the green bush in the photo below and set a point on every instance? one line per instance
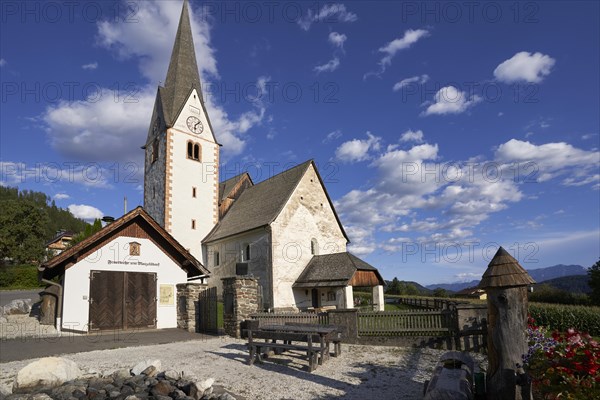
(562, 317)
(19, 277)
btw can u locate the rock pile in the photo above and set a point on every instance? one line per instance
(145, 381)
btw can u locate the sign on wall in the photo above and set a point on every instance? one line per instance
(167, 297)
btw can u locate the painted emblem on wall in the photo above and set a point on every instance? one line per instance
(166, 295)
(134, 248)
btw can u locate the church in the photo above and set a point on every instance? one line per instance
(284, 230)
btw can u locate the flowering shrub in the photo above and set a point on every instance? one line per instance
(564, 365)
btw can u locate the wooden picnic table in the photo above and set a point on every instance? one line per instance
(324, 335)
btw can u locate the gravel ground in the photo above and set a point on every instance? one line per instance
(360, 372)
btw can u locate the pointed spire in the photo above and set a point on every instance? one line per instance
(182, 75)
(503, 271)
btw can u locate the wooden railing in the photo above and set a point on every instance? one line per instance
(426, 302)
(278, 318)
(405, 323)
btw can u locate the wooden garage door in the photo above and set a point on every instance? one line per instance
(122, 300)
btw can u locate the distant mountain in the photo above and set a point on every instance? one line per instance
(538, 274)
(556, 271)
(572, 283)
(454, 287)
(423, 291)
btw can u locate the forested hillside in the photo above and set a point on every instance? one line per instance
(28, 220)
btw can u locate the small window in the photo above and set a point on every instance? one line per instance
(314, 247)
(190, 150)
(154, 150)
(246, 252)
(331, 296)
(193, 224)
(193, 192)
(217, 260)
(197, 152)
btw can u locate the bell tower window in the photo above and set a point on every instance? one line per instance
(193, 151)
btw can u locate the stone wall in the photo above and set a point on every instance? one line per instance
(188, 312)
(240, 299)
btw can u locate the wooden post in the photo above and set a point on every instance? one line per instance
(505, 282)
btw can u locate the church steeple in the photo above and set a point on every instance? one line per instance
(182, 75)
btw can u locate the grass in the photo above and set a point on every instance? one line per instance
(220, 315)
(396, 307)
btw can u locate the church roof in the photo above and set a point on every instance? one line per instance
(260, 204)
(182, 75)
(136, 223)
(336, 269)
(228, 185)
(504, 271)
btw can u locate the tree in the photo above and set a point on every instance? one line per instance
(22, 231)
(594, 274)
(87, 232)
(394, 287)
(440, 292)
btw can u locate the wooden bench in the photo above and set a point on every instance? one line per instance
(334, 337)
(271, 337)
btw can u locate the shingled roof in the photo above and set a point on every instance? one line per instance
(504, 271)
(182, 75)
(139, 216)
(227, 186)
(260, 204)
(330, 270)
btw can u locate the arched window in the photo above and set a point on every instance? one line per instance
(314, 247)
(197, 152)
(190, 150)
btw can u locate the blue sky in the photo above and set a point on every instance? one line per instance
(440, 129)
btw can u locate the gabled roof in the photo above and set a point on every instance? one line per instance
(59, 236)
(504, 271)
(336, 269)
(227, 186)
(182, 75)
(137, 216)
(259, 205)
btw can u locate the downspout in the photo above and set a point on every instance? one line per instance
(59, 305)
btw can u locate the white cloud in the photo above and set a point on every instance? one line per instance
(330, 66)
(85, 212)
(329, 13)
(331, 136)
(450, 100)
(412, 136)
(525, 67)
(408, 81)
(358, 150)
(588, 136)
(411, 36)
(90, 66)
(61, 196)
(2, 62)
(102, 128)
(500, 114)
(547, 161)
(337, 39)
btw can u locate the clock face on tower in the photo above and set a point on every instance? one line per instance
(194, 124)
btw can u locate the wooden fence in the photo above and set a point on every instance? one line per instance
(302, 318)
(406, 323)
(425, 302)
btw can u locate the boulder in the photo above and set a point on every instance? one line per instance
(172, 375)
(141, 366)
(121, 374)
(150, 371)
(46, 372)
(205, 385)
(162, 388)
(19, 306)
